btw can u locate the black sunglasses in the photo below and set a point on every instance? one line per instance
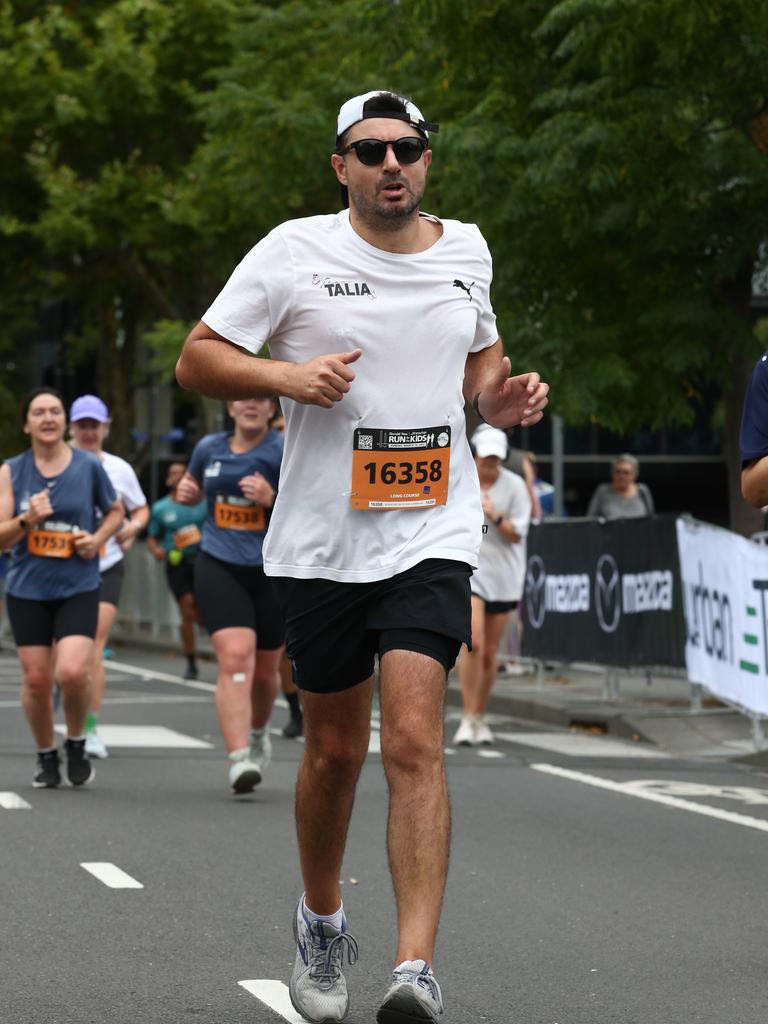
(374, 151)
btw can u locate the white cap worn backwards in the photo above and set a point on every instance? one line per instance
(356, 109)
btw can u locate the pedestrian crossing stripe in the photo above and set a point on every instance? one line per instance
(154, 736)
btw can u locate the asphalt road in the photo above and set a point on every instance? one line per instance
(588, 885)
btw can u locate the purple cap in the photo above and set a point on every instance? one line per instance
(88, 407)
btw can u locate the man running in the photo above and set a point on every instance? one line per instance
(173, 537)
(378, 521)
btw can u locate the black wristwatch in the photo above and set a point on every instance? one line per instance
(24, 522)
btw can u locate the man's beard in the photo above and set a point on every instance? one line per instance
(383, 215)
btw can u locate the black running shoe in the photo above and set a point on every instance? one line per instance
(294, 728)
(79, 768)
(48, 774)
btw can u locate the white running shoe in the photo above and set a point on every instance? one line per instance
(244, 772)
(260, 748)
(317, 988)
(483, 735)
(465, 734)
(413, 996)
(94, 745)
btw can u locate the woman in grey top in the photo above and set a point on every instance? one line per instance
(623, 497)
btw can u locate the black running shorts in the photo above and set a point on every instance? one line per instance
(497, 607)
(238, 595)
(335, 630)
(181, 577)
(39, 623)
(112, 584)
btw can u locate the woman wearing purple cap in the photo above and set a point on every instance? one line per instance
(57, 507)
(89, 424)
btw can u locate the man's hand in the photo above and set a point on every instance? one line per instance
(508, 401)
(321, 381)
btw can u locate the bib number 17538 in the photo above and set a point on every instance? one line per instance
(400, 469)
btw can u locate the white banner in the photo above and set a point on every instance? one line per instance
(725, 597)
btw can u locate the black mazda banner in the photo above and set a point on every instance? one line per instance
(604, 592)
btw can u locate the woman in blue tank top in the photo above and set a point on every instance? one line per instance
(238, 474)
(50, 501)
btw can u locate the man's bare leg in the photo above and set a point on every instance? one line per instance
(336, 729)
(419, 826)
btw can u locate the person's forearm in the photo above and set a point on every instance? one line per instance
(155, 549)
(110, 524)
(222, 370)
(11, 531)
(480, 369)
(754, 482)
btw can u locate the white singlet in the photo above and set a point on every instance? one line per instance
(314, 287)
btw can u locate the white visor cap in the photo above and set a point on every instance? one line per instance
(354, 110)
(488, 440)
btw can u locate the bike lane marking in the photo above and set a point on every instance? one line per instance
(626, 789)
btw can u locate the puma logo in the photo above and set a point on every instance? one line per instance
(464, 287)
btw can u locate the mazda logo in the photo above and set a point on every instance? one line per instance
(535, 591)
(607, 593)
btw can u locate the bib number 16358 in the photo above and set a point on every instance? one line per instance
(400, 469)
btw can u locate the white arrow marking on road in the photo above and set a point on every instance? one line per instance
(274, 994)
(626, 789)
(12, 802)
(111, 875)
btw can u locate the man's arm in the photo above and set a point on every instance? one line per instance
(214, 366)
(501, 400)
(754, 482)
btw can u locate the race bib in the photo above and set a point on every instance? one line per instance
(187, 536)
(51, 543)
(233, 513)
(400, 468)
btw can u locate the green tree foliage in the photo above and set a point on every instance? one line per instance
(607, 150)
(97, 124)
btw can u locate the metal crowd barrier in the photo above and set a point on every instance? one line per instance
(148, 612)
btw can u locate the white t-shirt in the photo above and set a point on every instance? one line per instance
(314, 287)
(501, 572)
(128, 488)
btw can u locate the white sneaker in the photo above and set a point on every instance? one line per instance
(483, 735)
(413, 996)
(260, 748)
(244, 773)
(465, 734)
(317, 988)
(94, 745)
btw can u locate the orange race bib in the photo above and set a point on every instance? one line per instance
(400, 468)
(232, 513)
(51, 543)
(187, 536)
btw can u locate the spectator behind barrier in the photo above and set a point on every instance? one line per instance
(623, 497)
(753, 438)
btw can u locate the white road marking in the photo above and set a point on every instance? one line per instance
(156, 736)
(165, 677)
(578, 745)
(13, 802)
(274, 994)
(111, 875)
(490, 753)
(675, 787)
(628, 789)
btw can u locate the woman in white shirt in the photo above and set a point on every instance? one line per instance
(89, 424)
(497, 583)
